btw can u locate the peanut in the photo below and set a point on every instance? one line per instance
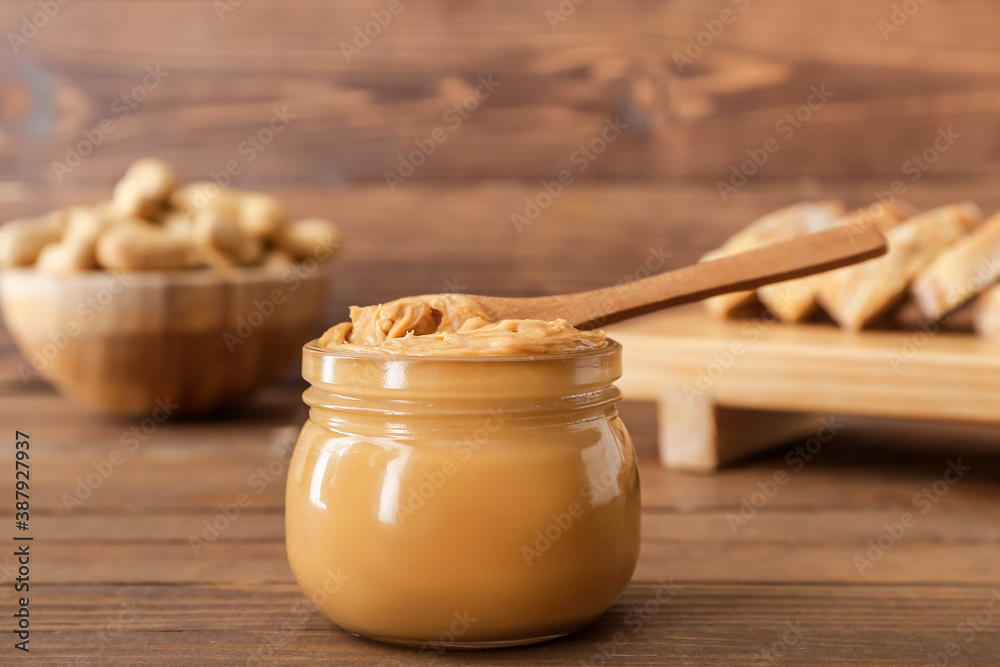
(311, 237)
(216, 231)
(177, 224)
(68, 256)
(86, 223)
(201, 196)
(136, 246)
(261, 215)
(77, 249)
(151, 224)
(223, 243)
(251, 251)
(144, 189)
(277, 258)
(22, 240)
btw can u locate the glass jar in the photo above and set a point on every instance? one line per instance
(462, 502)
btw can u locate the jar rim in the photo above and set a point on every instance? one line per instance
(611, 347)
(503, 377)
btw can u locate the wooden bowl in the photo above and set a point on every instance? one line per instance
(129, 343)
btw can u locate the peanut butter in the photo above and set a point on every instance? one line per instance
(483, 500)
(451, 325)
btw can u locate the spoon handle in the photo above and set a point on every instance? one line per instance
(797, 257)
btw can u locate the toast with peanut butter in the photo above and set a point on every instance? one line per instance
(856, 295)
(781, 225)
(961, 272)
(795, 300)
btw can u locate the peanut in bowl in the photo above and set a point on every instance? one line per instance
(195, 295)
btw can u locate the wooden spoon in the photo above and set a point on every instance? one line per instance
(800, 256)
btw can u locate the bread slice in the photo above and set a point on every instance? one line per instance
(780, 225)
(986, 313)
(795, 300)
(961, 272)
(855, 295)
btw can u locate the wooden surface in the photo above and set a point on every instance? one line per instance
(694, 364)
(118, 575)
(758, 363)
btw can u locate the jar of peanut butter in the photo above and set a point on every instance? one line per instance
(462, 501)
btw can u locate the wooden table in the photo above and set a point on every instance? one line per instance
(117, 580)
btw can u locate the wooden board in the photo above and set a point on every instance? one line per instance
(727, 389)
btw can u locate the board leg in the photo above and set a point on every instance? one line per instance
(697, 434)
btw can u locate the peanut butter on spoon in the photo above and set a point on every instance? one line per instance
(451, 325)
